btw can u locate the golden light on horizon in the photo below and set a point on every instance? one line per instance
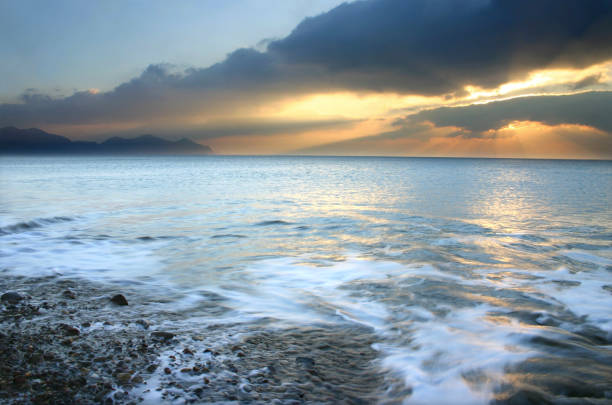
(384, 108)
(349, 105)
(527, 139)
(292, 142)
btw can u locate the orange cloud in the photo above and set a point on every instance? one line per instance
(527, 139)
(546, 81)
(518, 139)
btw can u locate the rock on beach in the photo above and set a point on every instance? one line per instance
(119, 299)
(11, 297)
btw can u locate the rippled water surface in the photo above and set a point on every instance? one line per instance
(475, 280)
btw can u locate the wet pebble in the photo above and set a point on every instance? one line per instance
(124, 378)
(119, 299)
(69, 294)
(305, 362)
(11, 297)
(19, 379)
(145, 324)
(69, 330)
(162, 335)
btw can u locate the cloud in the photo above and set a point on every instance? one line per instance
(588, 81)
(237, 128)
(577, 125)
(244, 79)
(438, 46)
(529, 140)
(412, 47)
(590, 109)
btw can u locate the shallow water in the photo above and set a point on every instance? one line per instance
(475, 280)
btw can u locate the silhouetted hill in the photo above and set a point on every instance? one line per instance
(151, 144)
(33, 140)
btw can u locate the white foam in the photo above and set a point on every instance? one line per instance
(581, 293)
(432, 352)
(98, 259)
(302, 293)
(588, 298)
(590, 258)
(442, 350)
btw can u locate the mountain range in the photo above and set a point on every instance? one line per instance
(34, 140)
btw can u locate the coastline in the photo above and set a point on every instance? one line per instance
(64, 341)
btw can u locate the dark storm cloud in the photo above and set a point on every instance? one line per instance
(437, 46)
(418, 47)
(591, 109)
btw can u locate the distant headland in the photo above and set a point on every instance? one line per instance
(36, 141)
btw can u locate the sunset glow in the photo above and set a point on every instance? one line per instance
(295, 95)
(305, 202)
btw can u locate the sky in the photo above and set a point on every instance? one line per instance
(483, 78)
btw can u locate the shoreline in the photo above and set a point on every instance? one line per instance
(65, 341)
(70, 341)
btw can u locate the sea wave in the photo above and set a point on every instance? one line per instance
(33, 224)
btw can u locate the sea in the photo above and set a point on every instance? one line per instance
(469, 278)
